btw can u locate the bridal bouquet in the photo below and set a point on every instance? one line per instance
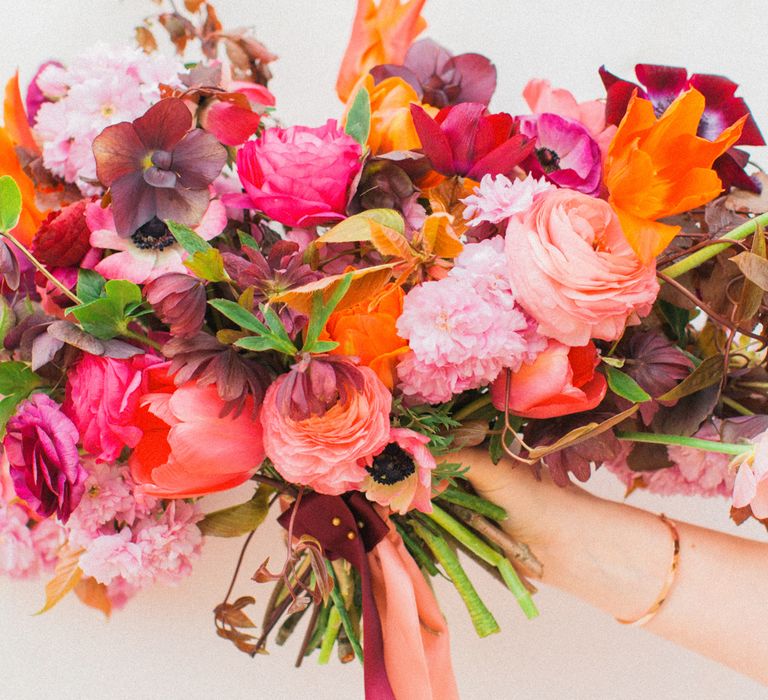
(196, 296)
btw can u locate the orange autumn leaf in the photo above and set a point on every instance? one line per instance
(15, 117)
(94, 595)
(439, 236)
(658, 167)
(381, 33)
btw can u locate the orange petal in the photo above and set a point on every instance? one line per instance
(15, 117)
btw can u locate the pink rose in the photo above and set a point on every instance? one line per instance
(322, 420)
(572, 269)
(299, 176)
(102, 397)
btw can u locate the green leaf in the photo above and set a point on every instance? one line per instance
(617, 362)
(277, 327)
(357, 228)
(242, 317)
(623, 385)
(238, 520)
(709, 372)
(247, 240)
(10, 203)
(321, 312)
(108, 316)
(677, 319)
(187, 238)
(358, 124)
(207, 265)
(266, 338)
(255, 343)
(324, 346)
(17, 382)
(90, 285)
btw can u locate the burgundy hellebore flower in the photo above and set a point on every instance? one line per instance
(41, 445)
(179, 300)
(440, 78)
(158, 166)
(466, 140)
(722, 108)
(565, 153)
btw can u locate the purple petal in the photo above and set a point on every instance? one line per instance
(118, 152)
(426, 58)
(160, 178)
(182, 206)
(133, 203)
(477, 78)
(198, 159)
(389, 70)
(164, 124)
(662, 83)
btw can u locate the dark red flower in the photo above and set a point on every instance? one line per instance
(158, 166)
(179, 300)
(466, 140)
(662, 84)
(440, 78)
(63, 238)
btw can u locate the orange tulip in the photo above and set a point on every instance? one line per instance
(16, 132)
(660, 167)
(368, 331)
(380, 34)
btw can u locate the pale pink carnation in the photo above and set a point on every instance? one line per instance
(109, 556)
(101, 87)
(464, 329)
(497, 198)
(694, 473)
(26, 552)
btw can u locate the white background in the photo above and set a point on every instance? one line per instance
(163, 644)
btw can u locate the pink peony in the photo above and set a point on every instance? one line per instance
(300, 176)
(572, 269)
(321, 419)
(41, 444)
(102, 396)
(497, 198)
(400, 476)
(464, 329)
(26, 551)
(751, 484)
(151, 251)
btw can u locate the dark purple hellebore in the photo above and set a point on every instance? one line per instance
(466, 140)
(662, 84)
(158, 166)
(440, 78)
(41, 446)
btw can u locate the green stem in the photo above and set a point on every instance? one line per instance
(416, 551)
(472, 407)
(329, 636)
(42, 269)
(489, 555)
(338, 604)
(474, 503)
(727, 448)
(701, 256)
(736, 406)
(483, 620)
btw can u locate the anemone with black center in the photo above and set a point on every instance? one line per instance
(392, 465)
(550, 161)
(154, 235)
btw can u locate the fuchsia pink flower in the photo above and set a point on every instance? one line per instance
(300, 176)
(102, 399)
(400, 475)
(321, 419)
(466, 140)
(41, 444)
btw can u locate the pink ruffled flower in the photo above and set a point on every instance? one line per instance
(464, 329)
(751, 483)
(321, 419)
(572, 269)
(300, 176)
(497, 198)
(400, 476)
(26, 552)
(150, 252)
(110, 556)
(102, 396)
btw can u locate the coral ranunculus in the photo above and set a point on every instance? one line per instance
(181, 453)
(572, 269)
(660, 167)
(368, 331)
(561, 380)
(380, 34)
(321, 419)
(299, 176)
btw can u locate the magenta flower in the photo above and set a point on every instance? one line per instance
(41, 444)
(722, 109)
(158, 167)
(300, 176)
(440, 78)
(564, 153)
(467, 140)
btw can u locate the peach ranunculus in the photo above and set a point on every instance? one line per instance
(368, 332)
(572, 269)
(392, 126)
(181, 453)
(561, 380)
(660, 167)
(380, 34)
(542, 98)
(322, 420)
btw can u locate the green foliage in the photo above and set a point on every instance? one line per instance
(271, 336)
(10, 203)
(677, 319)
(90, 285)
(241, 519)
(17, 382)
(358, 124)
(207, 265)
(623, 385)
(433, 421)
(187, 238)
(109, 315)
(321, 312)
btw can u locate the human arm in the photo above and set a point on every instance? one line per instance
(616, 558)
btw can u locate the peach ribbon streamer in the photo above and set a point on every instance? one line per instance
(416, 640)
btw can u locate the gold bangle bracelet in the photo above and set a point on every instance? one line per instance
(668, 582)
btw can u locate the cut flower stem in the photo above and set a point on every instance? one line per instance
(728, 448)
